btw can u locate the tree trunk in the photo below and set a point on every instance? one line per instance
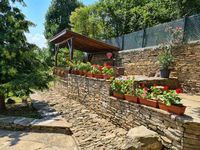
(2, 103)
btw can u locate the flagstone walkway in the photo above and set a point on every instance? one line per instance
(90, 130)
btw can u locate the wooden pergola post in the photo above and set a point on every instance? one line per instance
(71, 49)
(56, 55)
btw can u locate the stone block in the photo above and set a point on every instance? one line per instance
(141, 138)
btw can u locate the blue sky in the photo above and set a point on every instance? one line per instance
(35, 11)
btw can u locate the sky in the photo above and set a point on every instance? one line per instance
(35, 11)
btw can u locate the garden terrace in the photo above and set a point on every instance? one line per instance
(179, 132)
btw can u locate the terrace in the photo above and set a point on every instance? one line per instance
(91, 86)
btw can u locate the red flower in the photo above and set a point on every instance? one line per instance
(146, 89)
(142, 85)
(108, 67)
(178, 91)
(165, 88)
(100, 68)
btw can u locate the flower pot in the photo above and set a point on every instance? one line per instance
(85, 73)
(164, 73)
(148, 102)
(106, 77)
(118, 95)
(176, 109)
(163, 106)
(99, 76)
(90, 75)
(131, 98)
(81, 72)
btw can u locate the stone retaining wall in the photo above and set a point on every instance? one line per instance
(186, 65)
(177, 132)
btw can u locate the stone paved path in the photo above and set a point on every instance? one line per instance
(10, 140)
(91, 131)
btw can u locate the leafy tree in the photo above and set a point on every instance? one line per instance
(57, 17)
(117, 17)
(21, 69)
(84, 20)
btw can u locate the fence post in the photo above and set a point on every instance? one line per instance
(123, 42)
(143, 37)
(184, 29)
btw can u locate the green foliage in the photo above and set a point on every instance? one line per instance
(21, 67)
(165, 58)
(127, 87)
(170, 98)
(116, 86)
(112, 18)
(85, 22)
(108, 70)
(57, 17)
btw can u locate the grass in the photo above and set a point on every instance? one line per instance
(21, 110)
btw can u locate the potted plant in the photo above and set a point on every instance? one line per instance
(165, 60)
(107, 71)
(146, 98)
(128, 91)
(116, 87)
(171, 102)
(97, 71)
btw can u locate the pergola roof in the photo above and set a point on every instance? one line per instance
(81, 42)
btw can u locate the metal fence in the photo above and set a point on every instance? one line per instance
(156, 35)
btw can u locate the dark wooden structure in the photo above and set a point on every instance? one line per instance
(73, 40)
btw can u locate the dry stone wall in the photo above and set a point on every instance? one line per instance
(186, 66)
(176, 132)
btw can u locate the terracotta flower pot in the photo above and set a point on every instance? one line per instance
(179, 110)
(81, 72)
(131, 98)
(85, 73)
(148, 102)
(90, 75)
(118, 95)
(163, 106)
(99, 76)
(106, 77)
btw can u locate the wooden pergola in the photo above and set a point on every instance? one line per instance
(73, 40)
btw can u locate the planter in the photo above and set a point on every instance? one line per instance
(164, 73)
(163, 106)
(179, 109)
(85, 73)
(131, 98)
(90, 75)
(148, 102)
(106, 76)
(81, 73)
(118, 95)
(99, 76)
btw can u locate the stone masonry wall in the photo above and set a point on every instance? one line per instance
(177, 132)
(186, 65)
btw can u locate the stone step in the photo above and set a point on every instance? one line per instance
(50, 125)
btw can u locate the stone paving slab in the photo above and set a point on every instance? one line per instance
(19, 140)
(55, 125)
